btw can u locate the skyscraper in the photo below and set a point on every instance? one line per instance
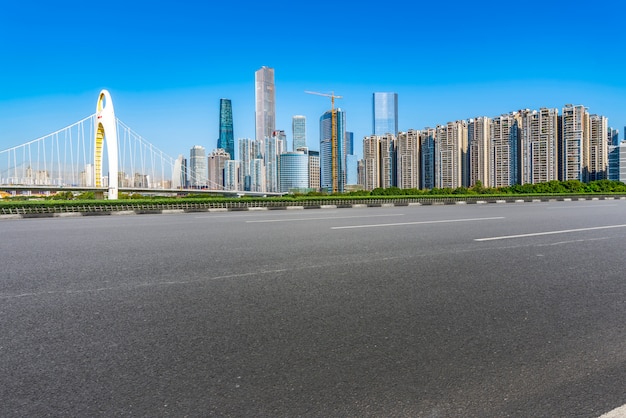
(298, 126)
(332, 158)
(265, 103)
(198, 166)
(385, 113)
(427, 157)
(226, 140)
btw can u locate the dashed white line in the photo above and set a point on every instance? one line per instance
(537, 234)
(419, 223)
(616, 413)
(320, 218)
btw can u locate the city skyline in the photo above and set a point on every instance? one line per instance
(167, 83)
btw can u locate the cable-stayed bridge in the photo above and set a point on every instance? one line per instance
(101, 153)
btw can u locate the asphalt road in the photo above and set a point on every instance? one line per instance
(433, 311)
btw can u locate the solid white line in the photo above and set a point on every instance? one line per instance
(581, 206)
(536, 234)
(418, 223)
(318, 219)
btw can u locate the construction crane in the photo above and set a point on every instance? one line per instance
(333, 135)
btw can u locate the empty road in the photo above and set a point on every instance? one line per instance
(490, 310)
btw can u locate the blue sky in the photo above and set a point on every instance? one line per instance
(167, 64)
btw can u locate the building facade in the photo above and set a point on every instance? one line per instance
(298, 127)
(408, 160)
(226, 139)
(504, 150)
(574, 134)
(596, 155)
(294, 172)
(385, 113)
(197, 167)
(332, 157)
(617, 162)
(265, 103)
(539, 146)
(479, 135)
(427, 158)
(216, 161)
(451, 155)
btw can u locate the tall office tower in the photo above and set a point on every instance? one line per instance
(352, 173)
(408, 166)
(294, 172)
(226, 140)
(232, 175)
(451, 155)
(314, 170)
(478, 133)
(349, 143)
(249, 150)
(217, 160)
(617, 162)
(504, 150)
(298, 127)
(574, 134)
(385, 113)
(371, 162)
(427, 158)
(274, 146)
(596, 155)
(539, 146)
(197, 165)
(613, 137)
(265, 103)
(332, 157)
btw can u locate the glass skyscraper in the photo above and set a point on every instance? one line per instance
(385, 113)
(329, 160)
(294, 172)
(198, 166)
(226, 140)
(265, 103)
(298, 125)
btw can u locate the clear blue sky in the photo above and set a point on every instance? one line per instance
(167, 64)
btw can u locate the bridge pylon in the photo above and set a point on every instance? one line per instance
(106, 131)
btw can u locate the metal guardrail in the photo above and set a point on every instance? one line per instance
(244, 204)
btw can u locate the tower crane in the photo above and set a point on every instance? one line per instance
(333, 134)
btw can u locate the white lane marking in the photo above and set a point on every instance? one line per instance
(321, 218)
(616, 413)
(581, 206)
(563, 231)
(419, 223)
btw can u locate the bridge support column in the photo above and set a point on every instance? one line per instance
(106, 131)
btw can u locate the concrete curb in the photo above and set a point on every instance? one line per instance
(267, 208)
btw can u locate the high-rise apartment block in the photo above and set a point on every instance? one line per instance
(596, 153)
(539, 146)
(504, 150)
(451, 169)
(298, 126)
(274, 147)
(265, 103)
(385, 113)
(226, 139)
(479, 137)
(332, 157)
(427, 157)
(574, 134)
(408, 161)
